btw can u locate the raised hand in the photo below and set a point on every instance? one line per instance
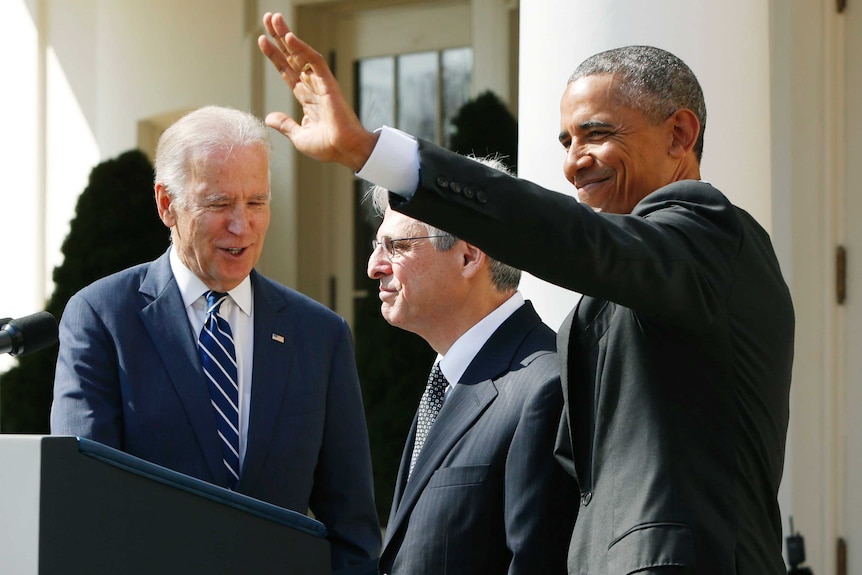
(329, 130)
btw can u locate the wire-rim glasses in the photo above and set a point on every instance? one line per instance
(389, 244)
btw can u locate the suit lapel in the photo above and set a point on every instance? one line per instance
(403, 468)
(166, 321)
(464, 405)
(580, 333)
(468, 400)
(274, 335)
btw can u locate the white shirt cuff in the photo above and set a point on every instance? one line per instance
(394, 163)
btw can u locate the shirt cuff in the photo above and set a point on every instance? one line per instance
(394, 163)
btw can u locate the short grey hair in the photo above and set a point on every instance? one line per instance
(198, 135)
(503, 276)
(650, 80)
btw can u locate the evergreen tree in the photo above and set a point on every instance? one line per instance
(485, 127)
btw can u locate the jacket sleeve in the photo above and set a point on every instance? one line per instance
(87, 401)
(343, 495)
(685, 236)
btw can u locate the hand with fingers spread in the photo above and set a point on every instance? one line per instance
(329, 130)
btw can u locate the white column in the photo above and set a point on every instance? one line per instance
(22, 193)
(489, 27)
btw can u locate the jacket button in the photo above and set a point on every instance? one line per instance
(468, 192)
(481, 197)
(586, 498)
(455, 187)
(441, 181)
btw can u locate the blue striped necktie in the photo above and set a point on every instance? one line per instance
(218, 359)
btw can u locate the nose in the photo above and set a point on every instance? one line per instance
(239, 220)
(378, 264)
(576, 159)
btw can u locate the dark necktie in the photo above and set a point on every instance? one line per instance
(429, 407)
(218, 359)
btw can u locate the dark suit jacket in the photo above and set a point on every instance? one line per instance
(486, 495)
(129, 376)
(676, 362)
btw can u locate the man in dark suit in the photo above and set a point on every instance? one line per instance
(478, 488)
(677, 360)
(132, 372)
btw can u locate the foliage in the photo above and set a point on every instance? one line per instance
(485, 127)
(115, 226)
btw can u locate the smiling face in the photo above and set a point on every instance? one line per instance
(218, 228)
(614, 156)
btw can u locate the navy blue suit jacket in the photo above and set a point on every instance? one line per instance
(486, 495)
(129, 376)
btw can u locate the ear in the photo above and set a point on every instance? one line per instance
(686, 129)
(165, 205)
(472, 260)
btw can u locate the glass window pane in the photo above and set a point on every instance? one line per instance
(417, 94)
(457, 66)
(376, 89)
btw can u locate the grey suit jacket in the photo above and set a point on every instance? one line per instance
(676, 364)
(486, 495)
(129, 376)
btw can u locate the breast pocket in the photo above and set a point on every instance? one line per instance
(459, 476)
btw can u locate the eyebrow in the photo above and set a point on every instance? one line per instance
(585, 126)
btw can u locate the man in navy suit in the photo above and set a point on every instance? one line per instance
(478, 488)
(130, 375)
(676, 363)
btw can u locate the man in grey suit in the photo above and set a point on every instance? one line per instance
(676, 363)
(133, 374)
(478, 488)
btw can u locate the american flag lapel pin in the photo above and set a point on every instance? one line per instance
(278, 338)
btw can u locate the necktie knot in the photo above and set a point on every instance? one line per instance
(214, 301)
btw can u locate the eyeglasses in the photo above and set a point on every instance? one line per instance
(390, 250)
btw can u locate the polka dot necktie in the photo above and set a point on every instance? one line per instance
(429, 407)
(218, 359)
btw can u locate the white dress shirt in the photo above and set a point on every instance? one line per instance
(238, 310)
(458, 358)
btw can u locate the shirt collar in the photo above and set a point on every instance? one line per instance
(461, 354)
(192, 288)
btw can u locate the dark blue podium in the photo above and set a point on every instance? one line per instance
(70, 506)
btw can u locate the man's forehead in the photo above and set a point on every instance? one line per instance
(596, 101)
(396, 224)
(598, 88)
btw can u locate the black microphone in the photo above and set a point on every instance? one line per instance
(4, 321)
(28, 334)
